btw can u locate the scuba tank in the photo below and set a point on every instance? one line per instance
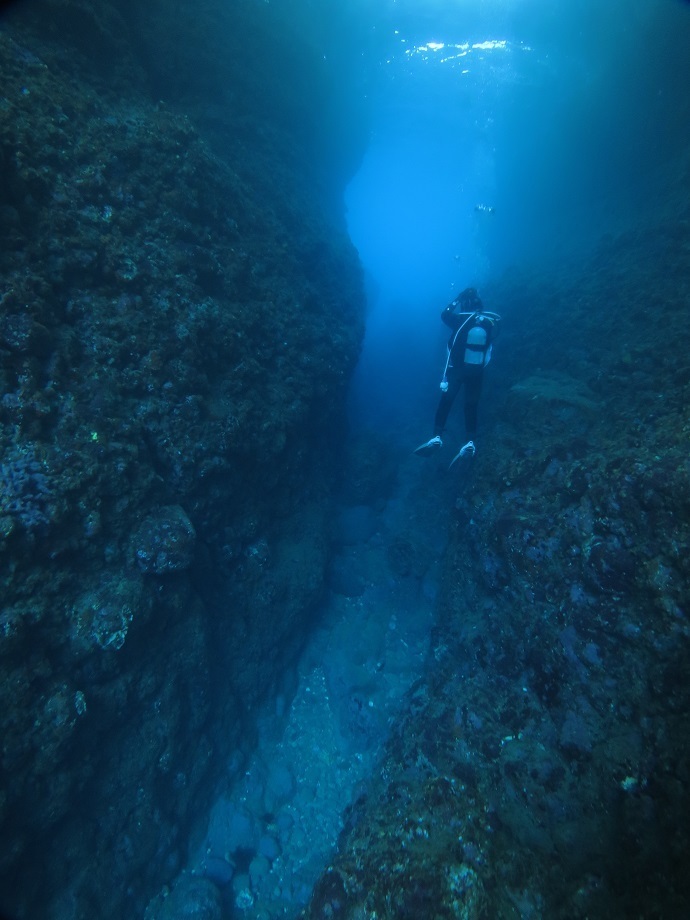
(476, 350)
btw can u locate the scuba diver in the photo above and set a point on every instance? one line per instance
(469, 351)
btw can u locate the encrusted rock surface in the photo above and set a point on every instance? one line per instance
(541, 769)
(179, 315)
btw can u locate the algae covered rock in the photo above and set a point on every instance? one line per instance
(192, 897)
(102, 615)
(180, 310)
(165, 541)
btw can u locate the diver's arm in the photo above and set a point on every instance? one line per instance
(453, 319)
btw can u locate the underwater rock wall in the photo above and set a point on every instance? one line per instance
(541, 769)
(279, 77)
(178, 322)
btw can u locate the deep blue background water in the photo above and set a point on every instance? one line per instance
(562, 118)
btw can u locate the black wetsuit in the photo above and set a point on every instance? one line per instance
(460, 372)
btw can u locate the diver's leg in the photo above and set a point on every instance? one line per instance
(444, 406)
(473, 389)
(446, 401)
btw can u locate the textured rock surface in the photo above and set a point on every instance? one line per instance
(541, 769)
(179, 314)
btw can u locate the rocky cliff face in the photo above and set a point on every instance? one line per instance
(179, 314)
(541, 768)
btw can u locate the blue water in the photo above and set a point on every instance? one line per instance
(562, 119)
(505, 139)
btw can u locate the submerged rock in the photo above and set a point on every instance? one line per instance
(180, 310)
(192, 897)
(164, 542)
(540, 767)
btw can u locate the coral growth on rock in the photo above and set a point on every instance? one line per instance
(541, 767)
(180, 310)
